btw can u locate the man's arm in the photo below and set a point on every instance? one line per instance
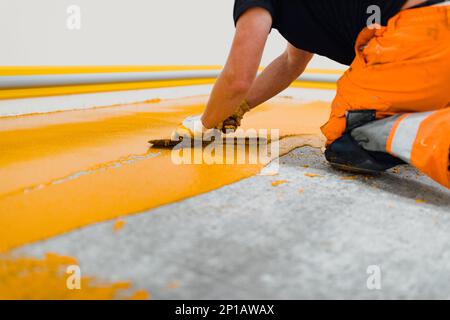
(240, 71)
(278, 75)
(237, 80)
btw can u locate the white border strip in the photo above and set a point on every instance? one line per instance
(23, 106)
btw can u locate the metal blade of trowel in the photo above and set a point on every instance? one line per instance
(236, 140)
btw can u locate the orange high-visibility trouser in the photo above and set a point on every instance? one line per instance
(403, 68)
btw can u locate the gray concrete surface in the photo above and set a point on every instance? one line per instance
(251, 240)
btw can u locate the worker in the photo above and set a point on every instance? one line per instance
(392, 105)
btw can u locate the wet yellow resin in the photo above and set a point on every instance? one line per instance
(66, 170)
(43, 279)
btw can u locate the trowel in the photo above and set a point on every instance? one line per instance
(236, 140)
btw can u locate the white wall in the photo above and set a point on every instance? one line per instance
(121, 32)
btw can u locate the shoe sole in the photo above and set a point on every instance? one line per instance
(351, 169)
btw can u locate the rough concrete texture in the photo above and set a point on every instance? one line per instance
(313, 237)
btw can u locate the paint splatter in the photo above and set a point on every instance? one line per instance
(46, 279)
(313, 175)
(349, 178)
(118, 225)
(173, 285)
(279, 183)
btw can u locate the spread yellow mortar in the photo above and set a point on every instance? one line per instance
(66, 170)
(41, 279)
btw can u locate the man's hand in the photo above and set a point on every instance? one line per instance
(234, 122)
(193, 128)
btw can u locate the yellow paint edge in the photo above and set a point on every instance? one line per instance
(314, 85)
(49, 70)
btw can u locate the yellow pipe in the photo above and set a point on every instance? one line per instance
(19, 93)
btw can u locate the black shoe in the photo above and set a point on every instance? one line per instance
(346, 154)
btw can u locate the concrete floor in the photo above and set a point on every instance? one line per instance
(313, 237)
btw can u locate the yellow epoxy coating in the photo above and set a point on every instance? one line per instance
(65, 170)
(43, 279)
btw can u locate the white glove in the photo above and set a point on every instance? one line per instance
(193, 128)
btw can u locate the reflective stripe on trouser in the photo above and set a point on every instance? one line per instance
(403, 134)
(421, 139)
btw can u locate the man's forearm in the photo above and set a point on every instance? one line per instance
(275, 78)
(225, 98)
(239, 73)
